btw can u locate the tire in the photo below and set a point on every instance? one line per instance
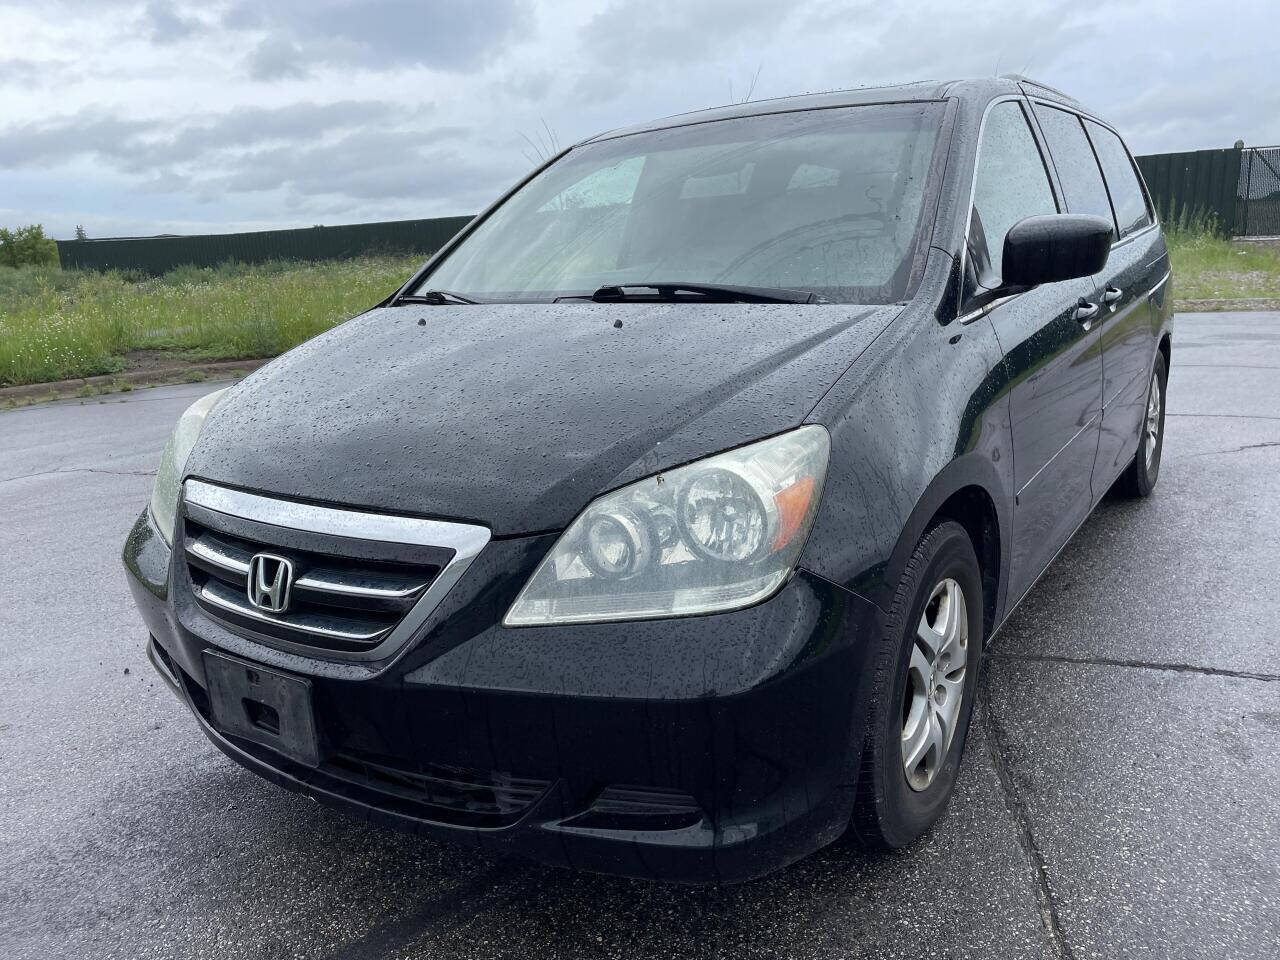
(1139, 478)
(895, 805)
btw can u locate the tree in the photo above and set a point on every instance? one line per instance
(27, 245)
(80, 234)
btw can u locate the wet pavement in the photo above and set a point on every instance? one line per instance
(1120, 794)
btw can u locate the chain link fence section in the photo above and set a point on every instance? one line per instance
(1258, 206)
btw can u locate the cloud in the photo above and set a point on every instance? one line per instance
(654, 33)
(453, 35)
(354, 150)
(25, 72)
(59, 139)
(143, 145)
(163, 23)
(379, 165)
(235, 112)
(276, 59)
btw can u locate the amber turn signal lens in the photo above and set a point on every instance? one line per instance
(793, 506)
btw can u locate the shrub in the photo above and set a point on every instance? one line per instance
(27, 246)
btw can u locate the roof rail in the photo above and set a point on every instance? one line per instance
(1019, 78)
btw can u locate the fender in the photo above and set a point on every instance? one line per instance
(976, 472)
(921, 416)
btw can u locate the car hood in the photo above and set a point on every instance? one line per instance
(517, 415)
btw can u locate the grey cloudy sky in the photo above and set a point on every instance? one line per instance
(166, 116)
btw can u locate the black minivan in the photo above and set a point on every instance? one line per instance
(657, 524)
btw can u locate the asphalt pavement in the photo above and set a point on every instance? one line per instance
(1120, 795)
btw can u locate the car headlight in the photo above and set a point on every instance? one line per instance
(164, 495)
(719, 534)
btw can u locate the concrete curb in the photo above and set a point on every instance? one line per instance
(58, 389)
(1243, 304)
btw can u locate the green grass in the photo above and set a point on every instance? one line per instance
(1208, 267)
(55, 325)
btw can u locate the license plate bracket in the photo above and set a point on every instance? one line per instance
(257, 703)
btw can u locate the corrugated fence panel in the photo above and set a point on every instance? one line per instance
(1186, 187)
(1191, 186)
(157, 255)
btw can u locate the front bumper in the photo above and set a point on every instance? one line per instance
(709, 749)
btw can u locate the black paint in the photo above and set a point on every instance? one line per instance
(517, 415)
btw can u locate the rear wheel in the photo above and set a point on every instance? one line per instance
(1139, 478)
(926, 673)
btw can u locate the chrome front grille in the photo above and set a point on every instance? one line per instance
(333, 601)
(361, 583)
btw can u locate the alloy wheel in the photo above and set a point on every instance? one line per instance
(1152, 428)
(935, 683)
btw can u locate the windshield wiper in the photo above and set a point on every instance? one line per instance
(434, 297)
(699, 293)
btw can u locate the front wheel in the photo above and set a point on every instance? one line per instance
(923, 687)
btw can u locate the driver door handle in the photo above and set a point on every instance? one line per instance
(1112, 294)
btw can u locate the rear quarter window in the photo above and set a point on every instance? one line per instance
(1126, 192)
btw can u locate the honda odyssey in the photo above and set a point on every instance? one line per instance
(657, 524)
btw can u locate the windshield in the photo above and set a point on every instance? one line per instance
(826, 201)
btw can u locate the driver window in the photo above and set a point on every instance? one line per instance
(1011, 184)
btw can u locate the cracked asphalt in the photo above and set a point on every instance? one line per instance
(1120, 795)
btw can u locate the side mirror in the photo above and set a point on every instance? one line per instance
(1060, 246)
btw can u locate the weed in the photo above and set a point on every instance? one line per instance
(1209, 267)
(57, 324)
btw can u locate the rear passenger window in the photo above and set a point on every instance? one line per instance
(1077, 167)
(1012, 183)
(1126, 192)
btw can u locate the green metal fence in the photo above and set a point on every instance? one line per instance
(1195, 186)
(156, 255)
(1190, 187)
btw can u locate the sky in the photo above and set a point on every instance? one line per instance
(137, 118)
